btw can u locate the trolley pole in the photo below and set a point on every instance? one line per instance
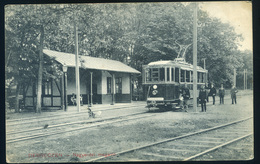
(77, 69)
(195, 57)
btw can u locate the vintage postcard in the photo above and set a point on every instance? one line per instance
(113, 82)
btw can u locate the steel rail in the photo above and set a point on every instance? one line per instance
(48, 118)
(72, 123)
(24, 138)
(171, 139)
(62, 114)
(217, 147)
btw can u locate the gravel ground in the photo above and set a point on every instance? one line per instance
(240, 150)
(112, 138)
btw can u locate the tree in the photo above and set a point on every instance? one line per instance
(27, 23)
(143, 32)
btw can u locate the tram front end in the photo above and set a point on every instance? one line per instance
(161, 96)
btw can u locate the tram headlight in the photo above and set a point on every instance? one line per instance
(154, 86)
(154, 92)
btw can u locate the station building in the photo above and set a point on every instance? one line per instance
(102, 81)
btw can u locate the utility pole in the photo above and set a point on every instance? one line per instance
(77, 69)
(204, 61)
(235, 74)
(39, 80)
(244, 79)
(195, 57)
(206, 75)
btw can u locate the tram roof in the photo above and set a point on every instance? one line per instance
(182, 65)
(90, 62)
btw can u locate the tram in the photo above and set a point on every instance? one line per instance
(163, 80)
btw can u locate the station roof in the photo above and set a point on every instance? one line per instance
(68, 59)
(182, 65)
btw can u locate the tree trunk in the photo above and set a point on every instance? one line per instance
(17, 97)
(39, 86)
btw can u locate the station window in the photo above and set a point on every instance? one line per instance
(47, 87)
(118, 85)
(182, 75)
(109, 85)
(172, 74)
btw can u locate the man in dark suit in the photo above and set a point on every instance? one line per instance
(233, 93)
(221, 93)
(186, 95)
(213, 93)
(203, 98)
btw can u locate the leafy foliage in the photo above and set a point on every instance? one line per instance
(141, 32)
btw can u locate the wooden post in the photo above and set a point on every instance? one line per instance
(131, 88)
(91, 89)
(195, 57)
(77, 70)
(65, 92)
(112, 88)
(62, 92)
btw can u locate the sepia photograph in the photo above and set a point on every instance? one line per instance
(129, 82)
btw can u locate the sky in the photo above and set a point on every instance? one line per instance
(238, 14)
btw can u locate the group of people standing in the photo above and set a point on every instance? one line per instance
(213, 93)
(203, 95)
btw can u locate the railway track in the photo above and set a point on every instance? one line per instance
(14, 137)
(186, 147)
(101, 108)
(13, 132)
(31, 120)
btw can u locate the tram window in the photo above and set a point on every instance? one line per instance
(168, 74)
(198, 77)
(155, 74)
(177, 74)
(187, 76)
(191, 78)
(202, 77)
(182, 75)
(172, 74)
(162, 74)
(148, 74)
